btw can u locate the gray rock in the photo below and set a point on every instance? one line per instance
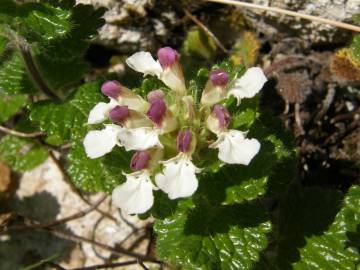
(272, 23)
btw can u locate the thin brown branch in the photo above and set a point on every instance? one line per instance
(118, 250)
(72, 186)
(20, 134)
(289, 13)
(143, 265)
(108, 265)
(206, 30)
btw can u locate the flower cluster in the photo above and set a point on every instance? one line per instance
(168, 128)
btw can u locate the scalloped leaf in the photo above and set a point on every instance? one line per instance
(314, 234)
(202, 235)
(62, 122)
(21, 154)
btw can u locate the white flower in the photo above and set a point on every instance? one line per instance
(135, 196)
(100, 112)
(248, 85)
(234, 148)
(100, 142)
(172, 76)
(178, 179)
(143, 62)
(139, 138)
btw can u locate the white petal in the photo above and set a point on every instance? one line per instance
(100, 142)
(174, 81)
(143, 62)
(100, 112)
(135, 196)
(249, 84)
(234, 148)
(178, 179)
(139, 138)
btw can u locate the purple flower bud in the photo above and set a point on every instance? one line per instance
(222, 114)
(111, 89)
(119, 114)
(219, 77)
(183, 141)
(139, 160)
(157, 111)
(167, 56)
(156, 94)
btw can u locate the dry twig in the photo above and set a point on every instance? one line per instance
(206, 30)
(20, 134)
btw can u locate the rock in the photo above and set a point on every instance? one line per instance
(339, 10)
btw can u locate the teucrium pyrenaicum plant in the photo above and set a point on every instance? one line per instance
(140, 123)
(193, 151)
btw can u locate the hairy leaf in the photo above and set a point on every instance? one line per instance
(21, 154)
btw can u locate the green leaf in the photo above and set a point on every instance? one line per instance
(21, 154)
(61, 61)
(41, 22)
(313, 233)
(204, 235)
(101, 174)
(10, 105)
(66, 121)
(13, 76)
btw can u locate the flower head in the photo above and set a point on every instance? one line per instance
(169, 120)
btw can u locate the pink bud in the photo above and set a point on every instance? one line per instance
(140, 160)
(119, 114)
(167, 56)
(222, 114)
(219, 77)
(157, 111)
(156, 94)
(183, 141)
(111, 89)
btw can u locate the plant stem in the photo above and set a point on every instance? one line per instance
(289, 13)
(20, 134)
(34, 72)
